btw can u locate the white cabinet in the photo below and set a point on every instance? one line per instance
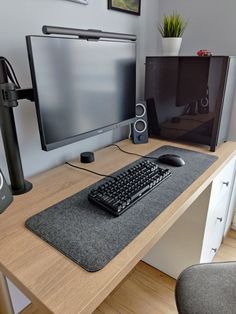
(214, 232)
(222, 184)
(19, 300)
(221, 192)
(197, 235)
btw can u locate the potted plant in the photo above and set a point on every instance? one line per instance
(171, 29)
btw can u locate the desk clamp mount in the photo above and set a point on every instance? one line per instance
(9, 96)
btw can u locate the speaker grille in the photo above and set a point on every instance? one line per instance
(140, 110)
(140, 126)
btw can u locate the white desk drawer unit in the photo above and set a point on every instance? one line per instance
(197, 235)
(222, 184)
(218, 211)
(214, 231)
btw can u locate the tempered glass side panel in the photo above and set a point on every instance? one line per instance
(82, 87)
(187, 94)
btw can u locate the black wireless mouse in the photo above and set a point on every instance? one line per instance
(172, 160)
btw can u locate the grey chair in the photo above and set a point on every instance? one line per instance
(207, 289)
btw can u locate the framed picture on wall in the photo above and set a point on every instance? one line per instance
(127, 6)
(79, 1)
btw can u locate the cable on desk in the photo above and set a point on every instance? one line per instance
(130, 153)
(94, 172)
(130, 131)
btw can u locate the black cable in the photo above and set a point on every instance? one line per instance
(94, 172)
(15, 80)
(11, 71)
(130, 153)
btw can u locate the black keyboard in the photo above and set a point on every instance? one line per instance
(118, 194)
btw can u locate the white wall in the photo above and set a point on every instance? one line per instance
(19, 18)
(211, 25)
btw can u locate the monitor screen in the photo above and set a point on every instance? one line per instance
(82, 88)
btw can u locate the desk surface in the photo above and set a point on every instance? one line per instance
(49, 279)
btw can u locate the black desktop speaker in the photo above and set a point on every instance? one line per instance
(5, 194)
(203, 105)
(140, 126)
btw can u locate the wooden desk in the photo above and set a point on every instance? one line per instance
(51, 281)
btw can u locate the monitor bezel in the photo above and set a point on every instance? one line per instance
(73, 139)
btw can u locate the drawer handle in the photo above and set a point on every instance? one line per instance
(214, 250)
(226, 183)
(220, 219)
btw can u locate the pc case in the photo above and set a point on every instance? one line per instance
(190, 98)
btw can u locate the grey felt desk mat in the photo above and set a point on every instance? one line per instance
(92, 237)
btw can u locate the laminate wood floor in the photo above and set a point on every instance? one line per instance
(147, 290)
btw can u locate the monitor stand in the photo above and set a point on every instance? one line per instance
(9, 95)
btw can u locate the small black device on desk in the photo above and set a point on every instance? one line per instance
(119, 193)
(87, 157)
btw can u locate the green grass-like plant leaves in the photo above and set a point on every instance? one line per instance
(172, 26)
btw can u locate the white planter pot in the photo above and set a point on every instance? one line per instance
(171, 45)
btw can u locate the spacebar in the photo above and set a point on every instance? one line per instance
(140, 192)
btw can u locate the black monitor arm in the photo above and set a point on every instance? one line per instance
(9, 95)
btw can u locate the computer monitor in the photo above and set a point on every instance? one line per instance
(82, 87)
